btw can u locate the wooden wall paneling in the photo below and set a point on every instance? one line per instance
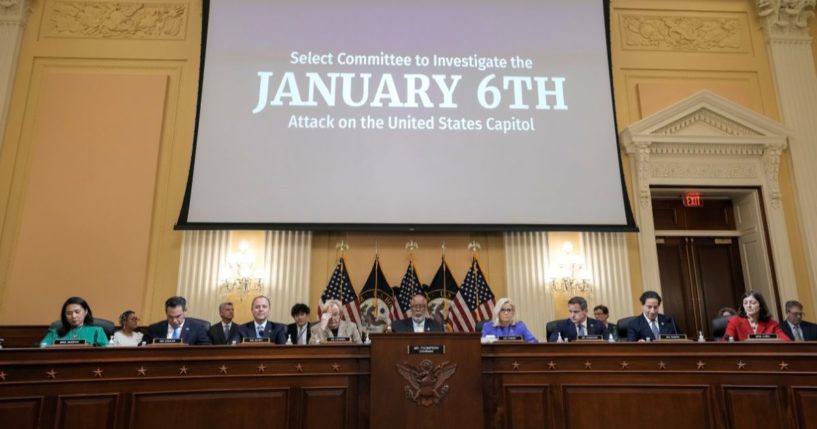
(211, 408)
(527, 406)
(665, 406)
(83, 411)
(805, 406)
(21, 412)
(742, 403)
(320, 405)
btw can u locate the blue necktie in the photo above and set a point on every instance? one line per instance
(654, 328)
(175, 335)
(260, 332)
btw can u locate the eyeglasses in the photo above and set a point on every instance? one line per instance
(506, 310)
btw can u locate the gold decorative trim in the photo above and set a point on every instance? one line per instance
(681, 33)
(119, 20)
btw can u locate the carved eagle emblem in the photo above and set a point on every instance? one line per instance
(426, 381)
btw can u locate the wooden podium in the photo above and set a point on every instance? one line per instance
(426, 380)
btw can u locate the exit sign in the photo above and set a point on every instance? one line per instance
(693, 199)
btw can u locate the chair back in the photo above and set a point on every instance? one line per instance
(105, 324)
(719, 327)
(478, 327)
(550, 328)
(623, 325)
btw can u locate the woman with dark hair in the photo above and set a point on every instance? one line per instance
(77, 324)
(753, 318)
(128, 336)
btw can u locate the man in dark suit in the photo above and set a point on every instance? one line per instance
(419, 321)
(190, 331)
(260, 327)
(795, 327)
(225, 332)
(578, 324)
(299, 332)
(651, 325)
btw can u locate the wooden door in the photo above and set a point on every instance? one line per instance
(699, 275)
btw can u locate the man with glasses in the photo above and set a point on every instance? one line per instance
(420, 320)
(794, 326)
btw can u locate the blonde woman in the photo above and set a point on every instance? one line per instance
(504, 323)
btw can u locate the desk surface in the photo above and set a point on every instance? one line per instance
(699, 385)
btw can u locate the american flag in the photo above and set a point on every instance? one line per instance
(409, 287)
(474, 301)
(340, 288)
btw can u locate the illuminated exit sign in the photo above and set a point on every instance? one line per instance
(692, 199)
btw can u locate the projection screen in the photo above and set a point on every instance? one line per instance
(396, 115)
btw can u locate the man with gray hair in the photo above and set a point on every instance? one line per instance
(794, 326)
(225, 332)
(419, 321)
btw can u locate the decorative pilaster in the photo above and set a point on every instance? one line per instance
(785, 23)
(13, 14)
(527, 260)
(605, 255)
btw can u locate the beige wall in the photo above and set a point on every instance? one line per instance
(97, 148)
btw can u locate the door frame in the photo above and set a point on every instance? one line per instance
(709, 141)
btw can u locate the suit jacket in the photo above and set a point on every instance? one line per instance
(345, 329)
(217, 333)
(276, 332)
(407, 325)
(639, 329)
(739, 328)
(193, 332)
(292, 332)
(568, 330)
(809, 330)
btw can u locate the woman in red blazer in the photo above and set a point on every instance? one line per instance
(753, 318)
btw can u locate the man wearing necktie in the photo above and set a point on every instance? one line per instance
(420, 321)
(299, 331)
(651, 325)
(260, 327)
(794, 326)
(225, 331)
(577, 324)
(178, 326)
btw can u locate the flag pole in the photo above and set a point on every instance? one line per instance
(474, 246)
(445, 291)
(376, 270)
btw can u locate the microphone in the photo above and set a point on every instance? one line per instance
(675, 328)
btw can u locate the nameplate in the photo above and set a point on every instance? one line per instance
(590, 338)
(426, 350)
(673, 336)
(762, 336)
(70, 342)
(510, 338)
(255, 340)
(339, 340)
(168, 341)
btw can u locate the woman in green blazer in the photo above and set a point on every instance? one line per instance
(77, 324)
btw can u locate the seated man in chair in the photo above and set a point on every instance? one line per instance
(652, 324)
(578, 324)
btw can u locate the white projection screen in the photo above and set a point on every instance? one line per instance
(406, 115)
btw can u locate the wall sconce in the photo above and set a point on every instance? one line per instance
(569, 275)
(242, 278)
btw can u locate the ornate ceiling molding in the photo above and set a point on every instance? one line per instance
(14, 12)
(706, 137)
(681, 33)
(117, 20)
(787, 18)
